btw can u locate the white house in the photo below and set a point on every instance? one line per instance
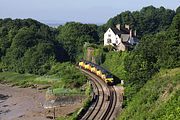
(120, 37)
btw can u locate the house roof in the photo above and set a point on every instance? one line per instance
(121, 31)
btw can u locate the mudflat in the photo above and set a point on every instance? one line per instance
(27, 104)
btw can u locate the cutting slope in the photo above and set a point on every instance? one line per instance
(158, 99)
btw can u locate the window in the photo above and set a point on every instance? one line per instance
(116, 41)
(109, 35)
(108, 40)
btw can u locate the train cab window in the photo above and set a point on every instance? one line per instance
(109, 76)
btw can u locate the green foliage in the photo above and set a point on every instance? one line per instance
(99, 55)
(157, 99)
(24, 80)
(178, 10)
(114, 62)
(73, 36)
(161, 50)
(148, 20)
(88, 89)
(68, 74)
(67, 92)
(28, 46)
(61, 76)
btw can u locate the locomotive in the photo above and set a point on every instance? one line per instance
(98, 70)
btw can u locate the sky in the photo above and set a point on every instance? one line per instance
(85, 11)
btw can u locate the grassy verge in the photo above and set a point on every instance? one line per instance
(88, 93)
(157, 99)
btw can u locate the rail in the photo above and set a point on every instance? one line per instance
(101, 109)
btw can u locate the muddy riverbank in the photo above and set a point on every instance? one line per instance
(27, 104)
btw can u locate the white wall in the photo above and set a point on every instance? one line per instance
(112, 36)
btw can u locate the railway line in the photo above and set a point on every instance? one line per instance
(106, 100)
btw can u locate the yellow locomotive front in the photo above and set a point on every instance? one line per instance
(109, 79)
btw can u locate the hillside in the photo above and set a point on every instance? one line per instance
(158, 99)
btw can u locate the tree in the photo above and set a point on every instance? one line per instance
(149, 20)
(178, 10)
(28, 46)
(73, 36)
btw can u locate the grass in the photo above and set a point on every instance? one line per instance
(66, 91)
(26, 80)
(158, 99)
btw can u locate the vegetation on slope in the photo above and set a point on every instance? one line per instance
(114, 62)
(158, 99)
(62, 76)
(154, 52)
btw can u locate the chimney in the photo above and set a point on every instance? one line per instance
(127, 26)
(130, 33)
(135, 33)
(118, 26)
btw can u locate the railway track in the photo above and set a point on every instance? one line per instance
(93, 106)
(106, 100)
(95, 110)
(112, 104)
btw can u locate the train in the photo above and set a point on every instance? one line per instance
(98, 70)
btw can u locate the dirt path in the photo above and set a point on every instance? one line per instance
(26, 104)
